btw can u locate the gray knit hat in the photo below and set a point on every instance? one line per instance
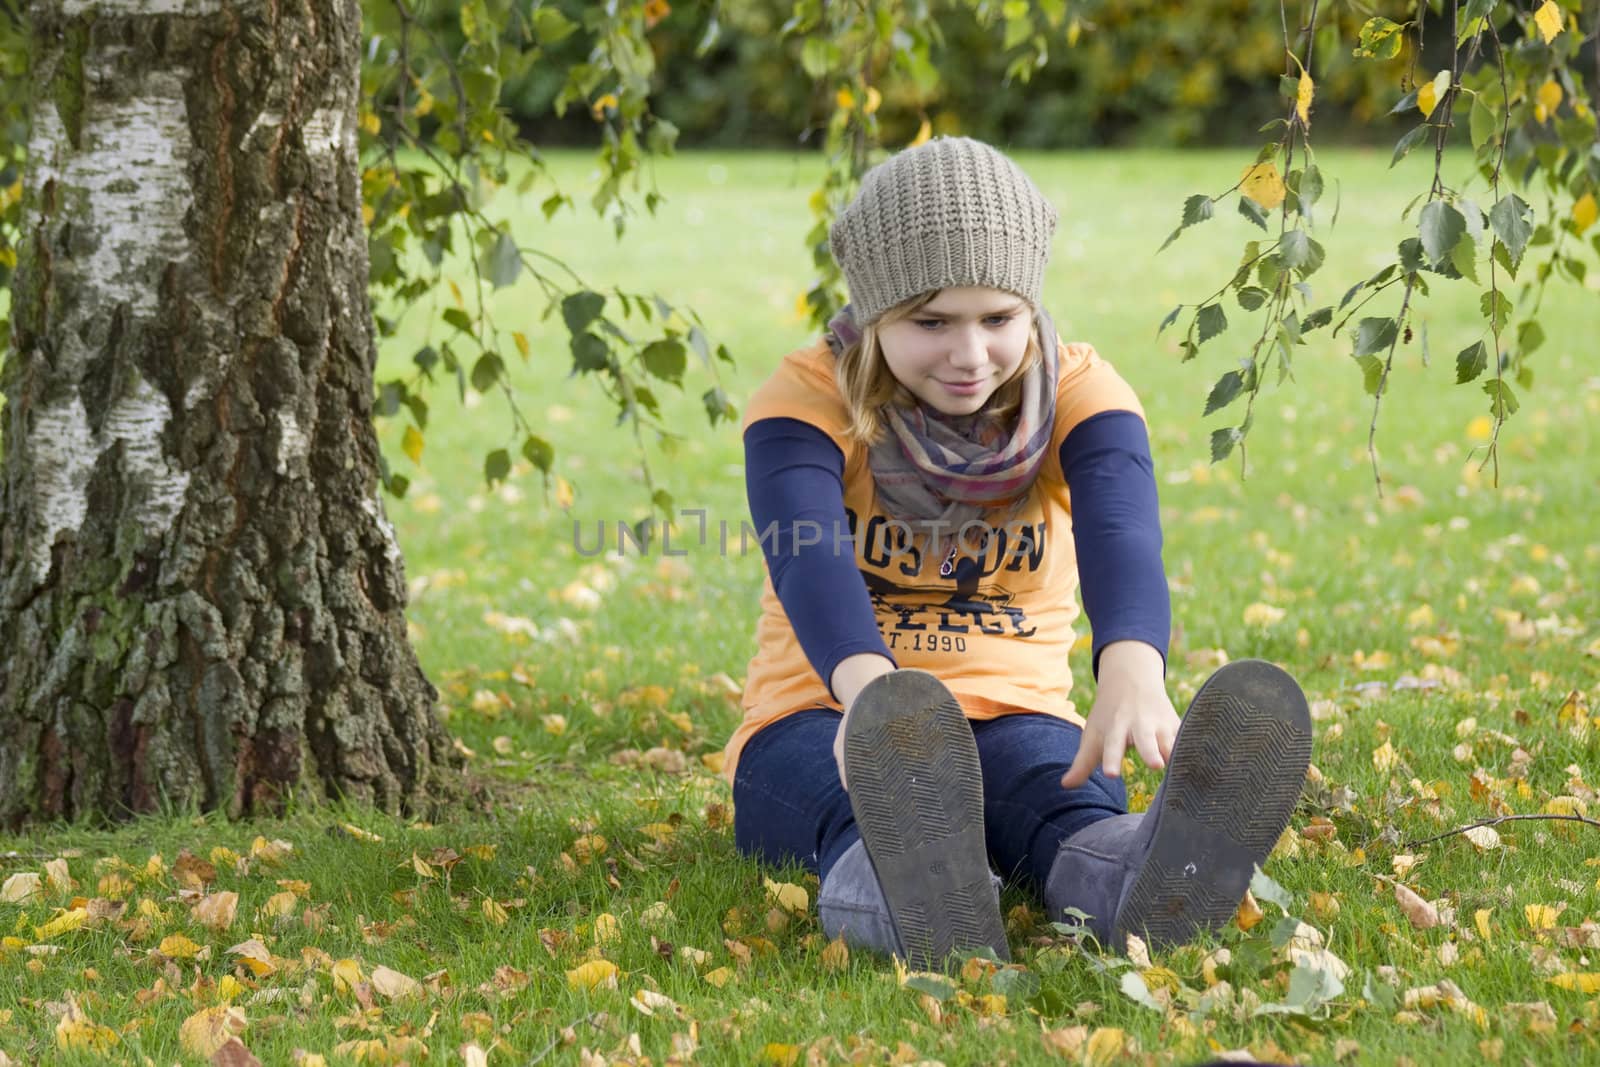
(950, 212)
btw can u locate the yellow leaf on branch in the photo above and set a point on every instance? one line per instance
(1428, 95)
(1547, 99)
(924, 132)
(1548, 19)
(1262, 183)
(1303, 93)
(1584, 212)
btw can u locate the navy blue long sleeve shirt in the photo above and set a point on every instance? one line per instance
(794, 478)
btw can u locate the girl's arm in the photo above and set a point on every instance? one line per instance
(1116, 526)
(794, 478)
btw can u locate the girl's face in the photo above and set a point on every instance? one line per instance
(955, 351)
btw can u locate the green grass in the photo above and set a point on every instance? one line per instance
(557, 724)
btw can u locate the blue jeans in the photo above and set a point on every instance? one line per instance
(789, 805)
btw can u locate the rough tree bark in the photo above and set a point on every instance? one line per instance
(201, 601)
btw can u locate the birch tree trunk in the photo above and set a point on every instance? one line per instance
(201, 601)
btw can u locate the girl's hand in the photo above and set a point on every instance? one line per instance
(1131, 708)
(849, 678)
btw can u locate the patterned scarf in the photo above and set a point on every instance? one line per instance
(954, 469)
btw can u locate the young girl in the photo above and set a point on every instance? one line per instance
(932, 483)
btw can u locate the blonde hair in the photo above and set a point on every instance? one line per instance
(869, 387)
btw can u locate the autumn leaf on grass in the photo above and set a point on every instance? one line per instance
(65, 919)
(20, 887)
(394, 985)
(1541, 916)
(1421, 914)
(790, 897)
(178, 947)
(75, 1030)
(208, 1029)
(234, 1054)
(1587, 983)
(596, 974)
(254, 955)
(216, 910)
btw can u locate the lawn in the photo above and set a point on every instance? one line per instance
(587, 906)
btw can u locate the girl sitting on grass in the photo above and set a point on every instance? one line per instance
(932, 481)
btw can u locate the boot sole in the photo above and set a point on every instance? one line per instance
(916, 788)
(1236, 773)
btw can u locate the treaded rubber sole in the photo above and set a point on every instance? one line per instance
(1237, 768)
(917, 792)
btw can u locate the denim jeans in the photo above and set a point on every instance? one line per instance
(789, 805)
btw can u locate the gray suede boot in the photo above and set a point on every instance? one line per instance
(1232, 783)
(851, 904)
(916, 789)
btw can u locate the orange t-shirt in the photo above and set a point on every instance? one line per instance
(1000, 646)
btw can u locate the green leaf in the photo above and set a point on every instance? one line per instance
(1222, 442)
(1464, 257)
(1379, 38)
(1251, 297)
(1408, 142)
(1375, 335)
(1295, 249)
(551, 26)
(1172, 316)
(1483, 123)
(1496, 307)
(818, 56)
(580, 309)
(1471, 362)
(1318, 318)
(539, 452)
(1253, 211)
(504, 262)
(665, 359)
(1371, 374)
(935, 987)
(1311, 186)
(1225, 392)
(1502, 401)
(1212, 322)
(589, 353)
(1530, 335)
(1016, 986)
(458, 318)
(717, 405)
(1198, 208)
(1511, 222)
(486, 372)
(1442, 228)
(496, 465)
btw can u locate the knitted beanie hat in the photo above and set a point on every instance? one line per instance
(950, 212)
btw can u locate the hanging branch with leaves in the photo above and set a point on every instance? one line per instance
(1528, 120)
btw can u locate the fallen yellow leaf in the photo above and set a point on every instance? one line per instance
(1581, 983)
(346, 975)
(216, 910)
(1541, 916)
(177, 947)
(718, 977)
(19, 887)
(208, 1029)
(1249, 912)
(393, 984)
(790, 897)
(596, 974)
